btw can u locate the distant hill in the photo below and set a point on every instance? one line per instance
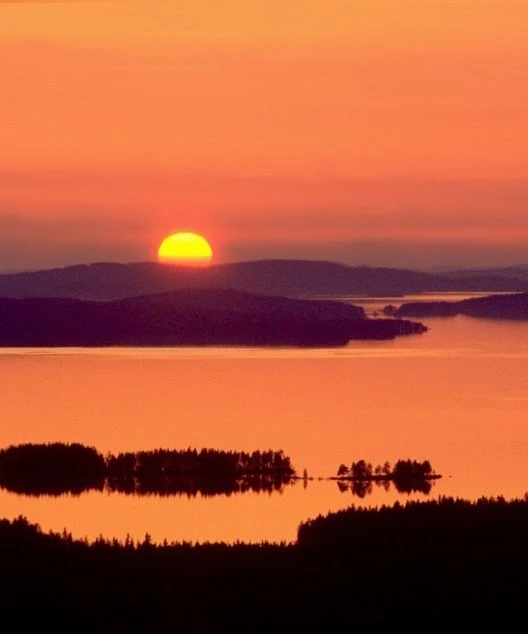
(290, 278)
(190, 317)
(513, 306)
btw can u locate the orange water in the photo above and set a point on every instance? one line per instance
(457, 395)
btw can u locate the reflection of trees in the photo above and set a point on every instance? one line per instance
(413, 486)
(192, 486)
(343, 486)
(384, 483)
(361, 488)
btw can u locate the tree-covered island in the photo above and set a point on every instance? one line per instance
(407, 476)
(56, 468)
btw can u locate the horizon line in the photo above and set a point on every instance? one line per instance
(433, 270)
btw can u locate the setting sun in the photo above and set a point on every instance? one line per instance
(188, 249)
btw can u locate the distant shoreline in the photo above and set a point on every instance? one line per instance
(510, 306)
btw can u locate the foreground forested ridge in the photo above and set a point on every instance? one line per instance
(57, 468)
(439, 566)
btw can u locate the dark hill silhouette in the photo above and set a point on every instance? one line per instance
(190, 317)
(292, 278)
(241, 302)
(514, 306)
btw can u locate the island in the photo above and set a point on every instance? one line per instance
(512, 306)
(190, 317)
(60, 468)
(408, 476)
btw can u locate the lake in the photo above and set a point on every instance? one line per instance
(457, 395)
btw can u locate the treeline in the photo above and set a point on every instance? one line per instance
(447, 565)
(402, 470)
(420, 521)
(51, 469)
(57, 468)
(206, 462)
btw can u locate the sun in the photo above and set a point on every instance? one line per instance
(185, 249)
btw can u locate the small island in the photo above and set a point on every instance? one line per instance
(408, 476)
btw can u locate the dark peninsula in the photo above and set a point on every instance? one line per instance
(190, 317)
(511, 306)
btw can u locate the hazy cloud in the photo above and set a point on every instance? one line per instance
(63, 215)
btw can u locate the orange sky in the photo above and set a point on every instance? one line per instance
(369, 132)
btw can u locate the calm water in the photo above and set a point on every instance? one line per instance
(457, 395)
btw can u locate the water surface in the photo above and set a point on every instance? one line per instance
(457, 395)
